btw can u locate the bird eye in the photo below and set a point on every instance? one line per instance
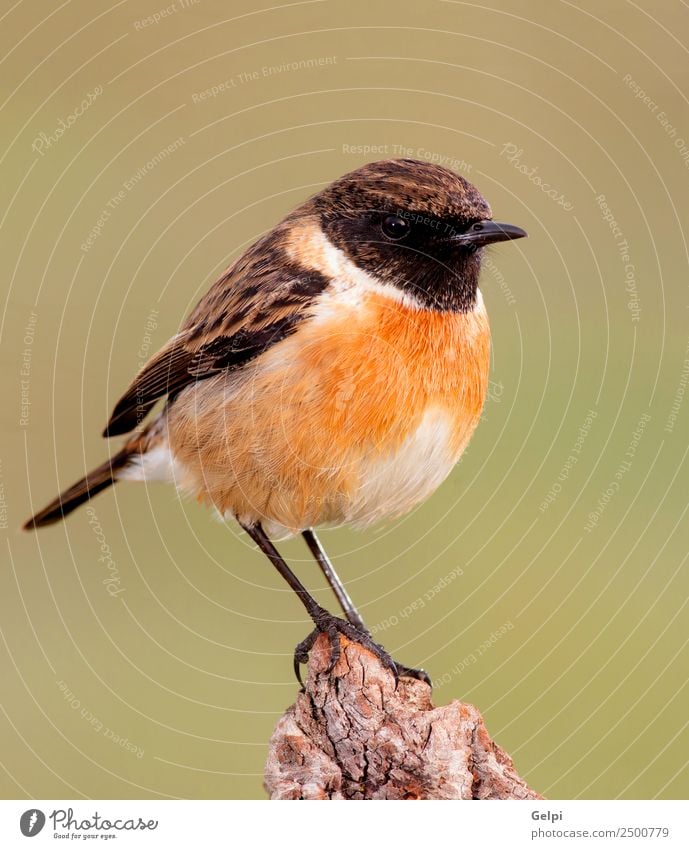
(395, 227)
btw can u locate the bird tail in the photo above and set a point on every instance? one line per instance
(95, 481)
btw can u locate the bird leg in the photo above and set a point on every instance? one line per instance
(351, 613)
(324, 621)
(347, 605)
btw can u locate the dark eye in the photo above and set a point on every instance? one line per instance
(395, 227)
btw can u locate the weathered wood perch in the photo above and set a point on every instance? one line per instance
(352, 735)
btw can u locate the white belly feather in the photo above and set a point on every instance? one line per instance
(392, 485)
(389, 485)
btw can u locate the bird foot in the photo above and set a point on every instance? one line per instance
(331, 625)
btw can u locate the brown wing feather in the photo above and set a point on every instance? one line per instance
(255, 304)
(166, 372)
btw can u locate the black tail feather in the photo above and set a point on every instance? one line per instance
(96, 481)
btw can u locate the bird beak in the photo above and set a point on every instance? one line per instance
(487, 232)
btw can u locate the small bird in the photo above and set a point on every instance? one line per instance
(334, 374)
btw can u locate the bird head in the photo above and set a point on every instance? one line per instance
(413, 225)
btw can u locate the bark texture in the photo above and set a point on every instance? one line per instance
(353, 735)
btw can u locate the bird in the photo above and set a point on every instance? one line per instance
(332, 375)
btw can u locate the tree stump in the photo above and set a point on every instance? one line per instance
(352, 735)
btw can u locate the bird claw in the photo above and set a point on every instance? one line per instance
(333, 626)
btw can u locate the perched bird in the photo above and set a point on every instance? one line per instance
(333, 374)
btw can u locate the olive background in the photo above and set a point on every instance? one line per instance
(146, 647)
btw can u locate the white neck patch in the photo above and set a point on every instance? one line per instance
(311, 247)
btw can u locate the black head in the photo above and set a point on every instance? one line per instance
(415, 226)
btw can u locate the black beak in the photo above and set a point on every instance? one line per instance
(487, 232)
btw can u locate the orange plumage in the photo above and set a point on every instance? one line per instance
(292, 443)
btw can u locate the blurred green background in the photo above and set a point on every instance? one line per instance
(551, 567)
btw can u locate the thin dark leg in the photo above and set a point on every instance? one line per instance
(325, 622)
(336, 584)
(258, 535)
(346, 603)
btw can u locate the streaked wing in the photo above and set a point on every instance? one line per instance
(258, 302)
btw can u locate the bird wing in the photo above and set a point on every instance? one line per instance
(258, 302)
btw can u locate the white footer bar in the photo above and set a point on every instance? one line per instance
(282, 825)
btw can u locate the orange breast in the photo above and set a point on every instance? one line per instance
(294, 442)
(379, 372)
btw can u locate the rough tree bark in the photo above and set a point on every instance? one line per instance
(353, 735)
